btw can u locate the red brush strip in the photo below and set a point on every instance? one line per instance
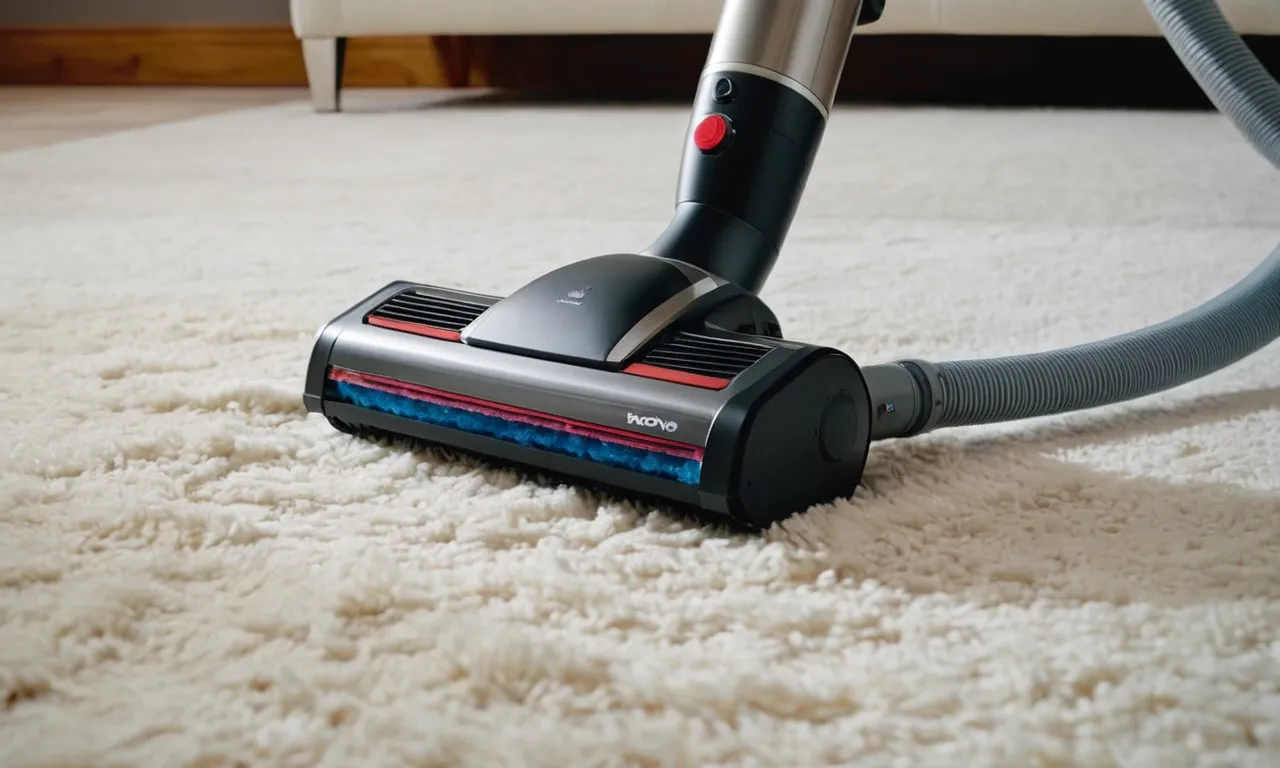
(417, 328)
(677, 377)
(521, 415)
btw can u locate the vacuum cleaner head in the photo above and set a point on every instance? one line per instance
(616, 370)
(662, 374)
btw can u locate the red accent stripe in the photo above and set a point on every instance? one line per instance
(522, 415)
(677, 377)
(636, 369)
(417, 328)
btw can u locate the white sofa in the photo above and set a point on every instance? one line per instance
(324, 25)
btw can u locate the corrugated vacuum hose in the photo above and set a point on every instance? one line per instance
(1236, 323)
(1228, 72)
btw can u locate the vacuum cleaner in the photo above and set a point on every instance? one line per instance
(662, 375)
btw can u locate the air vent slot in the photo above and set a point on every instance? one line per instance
(705, 355)
(447, 314)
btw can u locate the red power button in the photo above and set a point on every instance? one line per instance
(711, 133)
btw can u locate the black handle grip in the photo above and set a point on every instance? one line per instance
(748, 152)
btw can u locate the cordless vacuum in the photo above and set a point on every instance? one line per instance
(663, 375)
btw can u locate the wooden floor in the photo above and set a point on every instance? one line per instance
(40, 116)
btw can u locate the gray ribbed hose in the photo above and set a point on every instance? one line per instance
(1216, 334)
(1228, 72)
(1231, 326)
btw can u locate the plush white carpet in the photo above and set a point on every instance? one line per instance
(194, 573)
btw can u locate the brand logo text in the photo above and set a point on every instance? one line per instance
(652, 422)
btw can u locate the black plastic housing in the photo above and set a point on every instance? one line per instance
(784, 427)
(735, 202)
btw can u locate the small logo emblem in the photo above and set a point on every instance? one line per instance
(575, 296)
(652, 422)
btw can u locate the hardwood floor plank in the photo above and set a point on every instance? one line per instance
(151, 56)
(225, 56)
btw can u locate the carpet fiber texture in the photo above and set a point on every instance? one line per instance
(193, 572)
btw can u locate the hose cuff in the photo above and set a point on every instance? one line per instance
(929, 386)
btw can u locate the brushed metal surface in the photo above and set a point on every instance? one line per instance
(656, 321)
(803, 42)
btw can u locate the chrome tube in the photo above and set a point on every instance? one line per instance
(802, 44)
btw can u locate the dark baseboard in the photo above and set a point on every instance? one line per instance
(920, 69)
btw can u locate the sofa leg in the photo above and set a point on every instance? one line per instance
(324, 59)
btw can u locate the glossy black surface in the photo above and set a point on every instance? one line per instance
(765, 452)
(579, 312)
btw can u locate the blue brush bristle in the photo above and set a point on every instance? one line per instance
(663, 465)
